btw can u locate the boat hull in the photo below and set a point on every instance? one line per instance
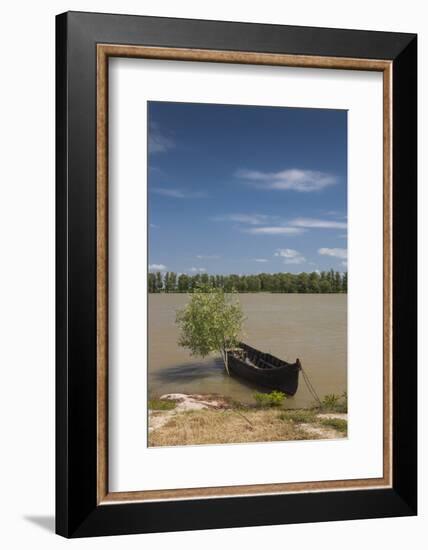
(267, 371)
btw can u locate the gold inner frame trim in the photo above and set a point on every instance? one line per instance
(104, 51)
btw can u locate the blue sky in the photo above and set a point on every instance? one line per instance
(237, 189)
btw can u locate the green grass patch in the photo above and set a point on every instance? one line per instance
(338, 424)
(273, 399)
(300, 416)
(161, 404)
(335, 403)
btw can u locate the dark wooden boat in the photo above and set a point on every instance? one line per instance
(264, 369)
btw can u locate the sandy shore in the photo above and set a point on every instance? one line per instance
(195, 419)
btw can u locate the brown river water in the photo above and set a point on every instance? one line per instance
(312, 327)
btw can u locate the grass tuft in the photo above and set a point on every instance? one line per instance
(273, 399)
(335, 403)
(338, 424)
(162, 404)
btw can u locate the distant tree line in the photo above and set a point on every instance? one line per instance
(323, 283)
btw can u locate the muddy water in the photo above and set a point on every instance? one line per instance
(309, 326)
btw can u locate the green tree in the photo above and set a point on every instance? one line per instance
(337, 282)
(183, 283)
(210, 323)
(293, 283)
(152, 282)
(227, 283)
(345, 282)
(314, 282)
(325, 286)
(324, 282)
(331, 279)
(234, 279)
(302, 282)
(254, 283)
(283, 282)
(275, 284)
(173, 281)
(243, 284)
(170, 281)
(159, 281)
(166, 282)
(194, 282)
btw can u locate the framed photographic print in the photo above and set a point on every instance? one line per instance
(236, 274)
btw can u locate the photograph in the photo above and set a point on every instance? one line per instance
(247, 274)
(211, 311)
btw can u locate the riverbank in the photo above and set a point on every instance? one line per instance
(195, 419)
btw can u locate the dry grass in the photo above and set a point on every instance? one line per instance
(300, 416)
(337, 424)
(227, 426)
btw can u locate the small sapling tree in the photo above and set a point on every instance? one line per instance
(210, 323)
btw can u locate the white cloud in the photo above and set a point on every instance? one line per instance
(335, 252)
(153, 226)
(157, 267)
(176, 193)
(317, 224)
(286, 253)
(260, 260)
(275, 230)
(298, 260)
(291, 256)
(159, 142)
(344, 263)
(207, 256)
(197, 269)
(292, 179)
(250, 219)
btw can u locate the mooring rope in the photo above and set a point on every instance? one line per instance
(310, 386)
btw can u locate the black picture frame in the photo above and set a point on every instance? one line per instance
(77, 511)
